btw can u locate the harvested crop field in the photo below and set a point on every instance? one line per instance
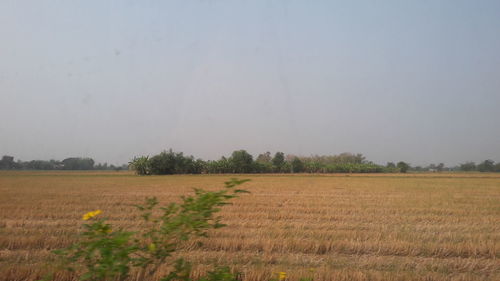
(328, 227)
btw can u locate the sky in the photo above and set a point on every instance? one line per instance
(417, 81)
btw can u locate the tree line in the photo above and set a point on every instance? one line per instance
(72, 163)
(485, 166)
(240, 162)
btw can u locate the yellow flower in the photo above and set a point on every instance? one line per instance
(281, 276)
(90, 215)
(152, 247)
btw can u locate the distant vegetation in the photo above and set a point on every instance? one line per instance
(73, 163)
(241, 162)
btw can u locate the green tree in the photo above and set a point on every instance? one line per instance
(242, 161)
(440, 167)
(164, 163)
(468, 166)
(77, 163)
(497, 167)
(7, 163)
(403, 166)
(486, 166)
(264, 158)
(170, 162)
(278, 161)
(262, 167)
(297, 165)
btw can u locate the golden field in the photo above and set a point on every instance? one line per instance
(329, 227)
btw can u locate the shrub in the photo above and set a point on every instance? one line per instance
(106, 253)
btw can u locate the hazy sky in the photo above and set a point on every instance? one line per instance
(395, 80)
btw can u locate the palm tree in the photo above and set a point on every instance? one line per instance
(140, 165)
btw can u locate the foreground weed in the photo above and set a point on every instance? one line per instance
(105, 253)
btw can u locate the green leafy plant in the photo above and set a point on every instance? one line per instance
(141, 165)
(105, 253)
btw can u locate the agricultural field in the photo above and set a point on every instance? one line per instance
(328, 227)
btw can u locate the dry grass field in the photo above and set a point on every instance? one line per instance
(330, 227)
